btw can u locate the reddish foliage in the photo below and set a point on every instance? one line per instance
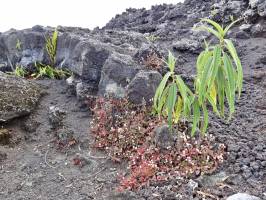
(153, 61)
(126, 131)
(120, 128)
(190, 159)
(77, 161)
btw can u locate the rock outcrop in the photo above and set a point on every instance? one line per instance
(18, 97)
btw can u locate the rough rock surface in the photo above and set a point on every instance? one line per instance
(143, 87)
(117, 73)
(18, 97)
(163, 137)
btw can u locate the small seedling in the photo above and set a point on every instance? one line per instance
(19, 71)
(152, 38)
(18, 45)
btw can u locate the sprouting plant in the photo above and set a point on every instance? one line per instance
(167, 101)
(18, 45)
(49, 72)
(219, 76)
(51, 45)
(19, 71)
(152, 38)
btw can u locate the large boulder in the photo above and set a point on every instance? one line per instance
(22, 47)
(143, 87)
(117, 73)
(18, 97)
(84, 57)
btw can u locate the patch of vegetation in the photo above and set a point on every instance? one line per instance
(44, 70)
(126, 132)
(19, 71)
(152, 38)
(120, 127)
(48, 71)
(219, 76)
(153, 61)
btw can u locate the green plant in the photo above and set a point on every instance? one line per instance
(19, 71)
(18, 45)
(152, 38)
(49, 72)
(219, 76)
(167, 101)
(51, 45)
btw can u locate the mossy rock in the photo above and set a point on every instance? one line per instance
(18, 97)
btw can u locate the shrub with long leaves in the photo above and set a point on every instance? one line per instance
(219, 76)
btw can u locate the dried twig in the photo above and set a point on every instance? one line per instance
(96, 173)
(204, 194)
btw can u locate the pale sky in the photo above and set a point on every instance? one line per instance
(22, 14)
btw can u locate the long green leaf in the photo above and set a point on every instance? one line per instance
(205, 119)
(215, 25)
(160, 90)
(196, 117)
(230, 25)
(210, 30)
(171, 101)
(233, 53)
(220, 89)
(204, 80)
(216, 62)
(162, 100)
(230, 86)
(178, 109)
(213, 104)
(171, 61)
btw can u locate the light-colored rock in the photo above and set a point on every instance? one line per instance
(242, 196)
(190, 45)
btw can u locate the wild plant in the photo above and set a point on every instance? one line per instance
(49, 72)
(152, 38)
(219, 76)
(19, 71)
(51, 45)
(18, 45)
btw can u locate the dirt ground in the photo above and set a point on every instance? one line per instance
(36, 168)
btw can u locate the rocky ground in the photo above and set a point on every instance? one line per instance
(48, 154)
